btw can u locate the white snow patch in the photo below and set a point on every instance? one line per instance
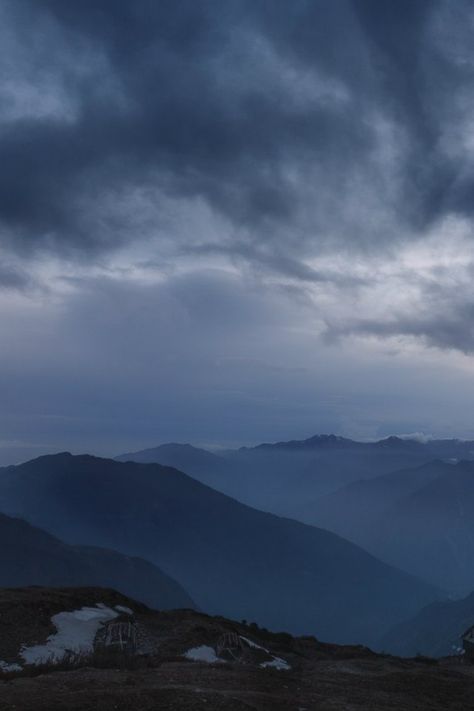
(202, 654)
(277, 663)
(253, 644)
(5, 667)
(76, 632)
(122, 608)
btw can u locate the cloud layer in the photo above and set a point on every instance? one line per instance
(304, 127)
(263, 185)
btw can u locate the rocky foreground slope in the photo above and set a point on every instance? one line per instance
(90, 648)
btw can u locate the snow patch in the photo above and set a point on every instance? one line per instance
(253, 644)
(122, 608)
(202, 654)
(208, 654)
(276, 663)
(5, 667)
(76, 632)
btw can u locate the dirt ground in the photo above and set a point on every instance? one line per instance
(322, 677)
(336, 685)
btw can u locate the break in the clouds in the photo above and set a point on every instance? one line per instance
(221, 220)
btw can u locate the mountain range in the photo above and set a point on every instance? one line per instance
(409, 502)
(30, 556)
(230, 558)
(421, 519)
(287, 477)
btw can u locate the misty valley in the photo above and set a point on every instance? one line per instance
(365, 545)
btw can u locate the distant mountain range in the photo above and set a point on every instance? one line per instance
(436, 447)
(232, 559)
(30, 556)
(199, 463)
(408, 502)
(287, 477)
(421, 519)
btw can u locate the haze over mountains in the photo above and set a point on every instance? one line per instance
(409, 502)
(350, 541)
(435, 631)
(287, 477)
(230, 558)
(30, 556)
(421, 519)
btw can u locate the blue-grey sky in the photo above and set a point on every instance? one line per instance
(226, 221)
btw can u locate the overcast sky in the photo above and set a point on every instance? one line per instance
(235, 220)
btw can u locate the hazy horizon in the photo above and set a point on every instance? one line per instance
(16, 454)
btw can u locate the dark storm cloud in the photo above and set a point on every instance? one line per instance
(304, 126)
(12, 277)
(176, 95)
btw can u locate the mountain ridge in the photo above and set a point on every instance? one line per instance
(32, 556)
(232, 559)
(420, 518)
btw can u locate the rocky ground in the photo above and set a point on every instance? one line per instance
(251, 673)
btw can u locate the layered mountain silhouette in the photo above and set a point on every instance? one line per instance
(30, 556)
(420, 519)
(409, 502)
(355, 509)
(173, 454)
(199, 463)
(232, 559)
(287, 478)
(435, 631)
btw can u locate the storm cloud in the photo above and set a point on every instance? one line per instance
(281, 117)
(260, 184)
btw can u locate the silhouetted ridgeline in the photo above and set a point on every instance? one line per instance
(230, 558)
(30, 556)
(408, 502)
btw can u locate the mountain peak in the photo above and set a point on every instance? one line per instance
(315, 442)
(395, 442)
